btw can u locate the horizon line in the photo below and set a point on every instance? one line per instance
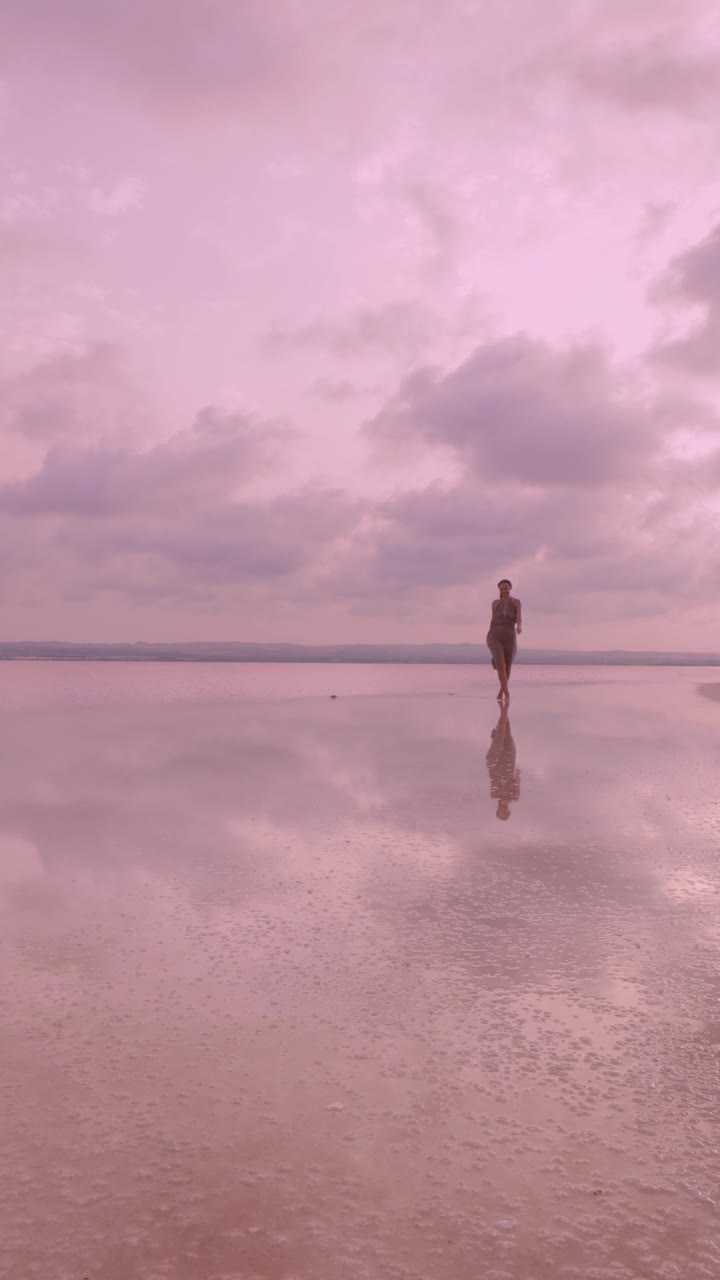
(345, 644)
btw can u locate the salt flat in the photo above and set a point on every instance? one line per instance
(300, 987)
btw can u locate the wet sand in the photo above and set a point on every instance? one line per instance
(301, 988)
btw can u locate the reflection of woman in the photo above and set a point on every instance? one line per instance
(500, 760)
(505, 616)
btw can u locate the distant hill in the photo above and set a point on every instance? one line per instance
(236, 651)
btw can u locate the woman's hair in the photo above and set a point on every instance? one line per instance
(502, 582)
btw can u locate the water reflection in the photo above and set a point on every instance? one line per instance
(502, 766)
(243, 942)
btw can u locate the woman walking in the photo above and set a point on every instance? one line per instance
(505, 618)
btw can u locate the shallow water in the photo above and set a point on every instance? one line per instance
(299, 988)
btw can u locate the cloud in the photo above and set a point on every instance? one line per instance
(561, 463)
(75, 396)
(649, 77)
(190, 60)
(656, 216)
(518, 409)
(27, 243)
(29, 229)
(335, 391)
(651, 56)
(229, 544)
(431, 552)
(126, 194)
(199, 546)
(219, 452)
(101, 512)
(436, 210)
(360, 172)
(427, 540)
(176, 520)
(171, 50)
(693, 278)
(399, 327)
(182, 523)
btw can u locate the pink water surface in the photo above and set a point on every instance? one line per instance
(284, 1000)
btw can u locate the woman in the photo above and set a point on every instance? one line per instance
(506, 616)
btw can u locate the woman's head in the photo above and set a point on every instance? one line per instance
(504, 586)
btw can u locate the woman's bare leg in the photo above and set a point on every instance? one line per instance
(502, 677)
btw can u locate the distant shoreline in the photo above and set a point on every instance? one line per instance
(434, 654)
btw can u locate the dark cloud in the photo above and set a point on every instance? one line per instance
(180, 519)
(426, 544)
(100, 513)
(177, 50)
(693, 278)
(413, 559)
(190, 60)
(239, 542)
(520, 410)
(399, 327)
(635, 62)
(561, 463)
(441, 536)
(650, 77)
(168, 521)
(436, 211)
(85, 410)
(195, 467)
(559, 471)
(76, 396)
(186, 550)
(656, 217)
(25, 241)
(334, 391)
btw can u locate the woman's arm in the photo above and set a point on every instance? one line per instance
(493, 607)
(518, 616)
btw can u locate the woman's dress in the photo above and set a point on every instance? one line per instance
(501, 638)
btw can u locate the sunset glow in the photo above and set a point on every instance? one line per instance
(317, 318)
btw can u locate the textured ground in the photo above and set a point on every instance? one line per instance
(302, 988)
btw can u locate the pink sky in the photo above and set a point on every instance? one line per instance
(317, 317)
